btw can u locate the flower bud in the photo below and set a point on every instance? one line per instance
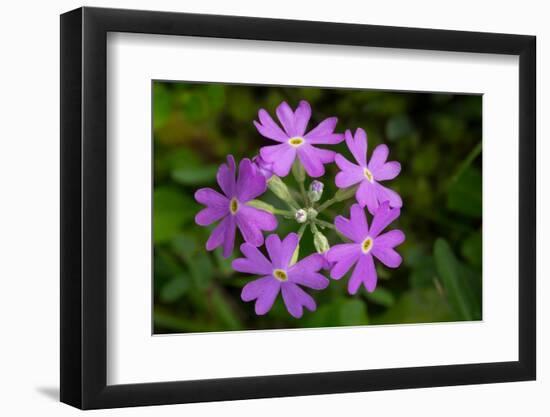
(300, 216)
(345, 193)
(279, 188)
(261, 205)
(315, 191)
(320, 242)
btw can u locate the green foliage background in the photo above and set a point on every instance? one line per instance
(437, 139)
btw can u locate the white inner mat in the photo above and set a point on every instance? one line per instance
(135, 356)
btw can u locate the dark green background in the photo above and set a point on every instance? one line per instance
(435, 137)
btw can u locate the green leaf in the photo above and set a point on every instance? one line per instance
(195, 175)
(174, 289)
(202, 269)
(472, 249)
(225, 312)
(464, 195)
(422, 268)
(455, 282)
(382, 297)
(170, 211)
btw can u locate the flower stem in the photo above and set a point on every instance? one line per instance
(327, 204)
(286, 213)
(301, 231)
(300, 176)
(324, 224)
(466, 163)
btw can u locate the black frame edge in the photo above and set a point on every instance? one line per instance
(83, 205)
(70, 219)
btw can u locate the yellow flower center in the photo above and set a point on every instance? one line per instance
(296, 141)
(233, 205)
(280, 274)
(368, 174)
(366, 246)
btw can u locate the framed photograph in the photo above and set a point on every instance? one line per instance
(258, 208)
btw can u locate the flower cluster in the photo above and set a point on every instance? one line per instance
(299, 151)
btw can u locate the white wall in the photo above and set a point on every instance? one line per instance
(29, 238)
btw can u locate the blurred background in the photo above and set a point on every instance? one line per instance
(435, 137)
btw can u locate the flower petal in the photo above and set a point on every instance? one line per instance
(386, 194)
(342, 250)
(281, 156)
(261, 218)
(359, 221)
(250, 183)
(217, 235)
(311, 161)
(209, 215)
(366, 196)
(250, 232)
(295, 299)
(323, 133)
(387, 256)
(349, 175)
(382, 218)
(273, 245)
(210, 197)
(286, 117)
(346, 227)
(301, 117)
(343, 261)
(365, 273)
(229, 237)
(311, 263)
(264, 290)
(378, 157)
(288, 246)
(313, 280)
(358, 145)
(267, 297)
(268, 128)
(254, 256)
(326, 156)
(390, 239)
(387, 171)
(254, 289)
(226, 177)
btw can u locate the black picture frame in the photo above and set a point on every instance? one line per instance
(84, 207)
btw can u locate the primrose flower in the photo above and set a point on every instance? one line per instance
(370, 192)
(232, 209)
(265, 168)
(295, 142)
(278, 275)
(367, 243)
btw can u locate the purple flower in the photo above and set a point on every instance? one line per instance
(294, 141)
(366, 244)
(265, 168)
(370, 192)
(232, 209)
(280, 275)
